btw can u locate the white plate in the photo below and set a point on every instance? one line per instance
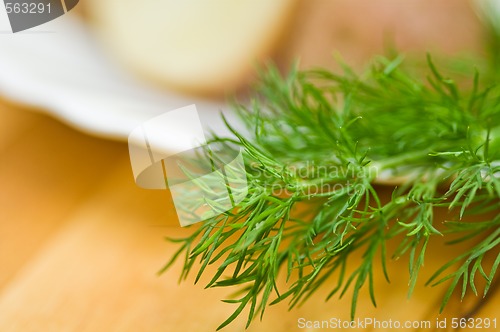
(60, 68)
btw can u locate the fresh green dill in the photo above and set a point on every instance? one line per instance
(325, 139)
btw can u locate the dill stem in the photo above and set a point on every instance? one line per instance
(399, 160)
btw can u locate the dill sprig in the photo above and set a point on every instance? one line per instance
(319, 143)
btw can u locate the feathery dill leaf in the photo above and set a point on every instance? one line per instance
(323, 140)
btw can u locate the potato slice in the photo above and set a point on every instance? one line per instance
(207, 46)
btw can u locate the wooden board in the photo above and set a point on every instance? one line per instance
(81, 246)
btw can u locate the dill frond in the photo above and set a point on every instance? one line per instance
(324, 139)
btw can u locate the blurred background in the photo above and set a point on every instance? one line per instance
(80, 243)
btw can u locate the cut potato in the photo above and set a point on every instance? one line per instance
(207, 46)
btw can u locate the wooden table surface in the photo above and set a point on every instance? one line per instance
(81, 244)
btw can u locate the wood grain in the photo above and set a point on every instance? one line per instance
(81, 245)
